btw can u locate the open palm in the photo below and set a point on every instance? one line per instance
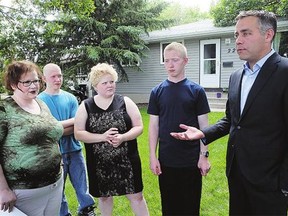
(191, 133)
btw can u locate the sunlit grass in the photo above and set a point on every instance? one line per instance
(214, 193)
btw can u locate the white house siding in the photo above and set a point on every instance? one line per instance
(141, 82)
(193, 67)
(228, 54)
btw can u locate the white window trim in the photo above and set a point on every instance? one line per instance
(129, 64)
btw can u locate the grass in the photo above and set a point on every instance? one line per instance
(214, 192)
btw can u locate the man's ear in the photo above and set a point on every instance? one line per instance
(270, 34)
(186, 60)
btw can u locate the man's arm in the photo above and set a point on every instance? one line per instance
(68, 126)
(284, 168)
(191, 133)
(203, 163)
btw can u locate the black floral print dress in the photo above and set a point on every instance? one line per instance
(111, 171)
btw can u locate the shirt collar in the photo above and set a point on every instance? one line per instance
(259, 63)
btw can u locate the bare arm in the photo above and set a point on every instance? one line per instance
(7, 196)
(153, 142)
(68, 126)
(203, 123)
(203, 163)
(135, 115)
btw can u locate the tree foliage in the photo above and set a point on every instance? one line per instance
(224, 11)
(182, 14)
(79, 34)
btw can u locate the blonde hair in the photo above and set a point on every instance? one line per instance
(50, 67)
(177, 47)
(99, 70)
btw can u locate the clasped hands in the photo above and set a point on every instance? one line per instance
(113, 137)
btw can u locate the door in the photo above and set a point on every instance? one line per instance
(210, 63)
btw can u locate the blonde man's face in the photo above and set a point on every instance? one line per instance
(53, 79)
(174, 63)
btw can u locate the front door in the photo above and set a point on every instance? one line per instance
(210, 63)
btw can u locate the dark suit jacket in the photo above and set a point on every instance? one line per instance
(259, 137)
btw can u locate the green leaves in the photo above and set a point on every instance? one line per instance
(225, 11)
(79, 34)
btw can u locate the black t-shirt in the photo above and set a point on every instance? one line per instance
(177, 103)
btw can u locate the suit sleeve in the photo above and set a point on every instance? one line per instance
(216, 131)
(284, 168)
(220, 129)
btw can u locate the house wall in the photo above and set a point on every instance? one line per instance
(141, 82)
(228, 54)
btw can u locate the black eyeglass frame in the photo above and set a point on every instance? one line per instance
(29, 82)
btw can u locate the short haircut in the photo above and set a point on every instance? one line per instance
(16, 69)
(100, 70)
(267, 20)
(50, 66)
(177, 47)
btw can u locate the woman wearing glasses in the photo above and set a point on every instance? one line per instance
(30, 170)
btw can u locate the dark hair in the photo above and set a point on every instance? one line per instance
(16, 69)
(267, 20)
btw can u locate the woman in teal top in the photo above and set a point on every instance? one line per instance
(30, 160)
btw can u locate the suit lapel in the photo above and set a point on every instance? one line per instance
(234, 91)
(264, 74)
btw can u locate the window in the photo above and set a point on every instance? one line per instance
(130, 63)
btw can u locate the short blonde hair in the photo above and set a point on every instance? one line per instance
(99, 70)
(50, 67)
(177, 47)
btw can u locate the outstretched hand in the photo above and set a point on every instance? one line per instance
(191, 133)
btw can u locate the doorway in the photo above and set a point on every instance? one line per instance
(210, 63)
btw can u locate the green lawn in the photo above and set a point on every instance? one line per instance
(214, 193)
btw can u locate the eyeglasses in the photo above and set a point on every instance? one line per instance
(29, 82)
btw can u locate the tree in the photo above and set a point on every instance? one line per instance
(78, 34)
(224, 11)
(182, 14)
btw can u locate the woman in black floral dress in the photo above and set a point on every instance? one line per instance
(109, 124)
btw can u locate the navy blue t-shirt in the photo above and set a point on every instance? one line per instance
(177, 103)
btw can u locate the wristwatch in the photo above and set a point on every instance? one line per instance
(205, 153)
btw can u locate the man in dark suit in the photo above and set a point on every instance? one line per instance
(256, 120)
